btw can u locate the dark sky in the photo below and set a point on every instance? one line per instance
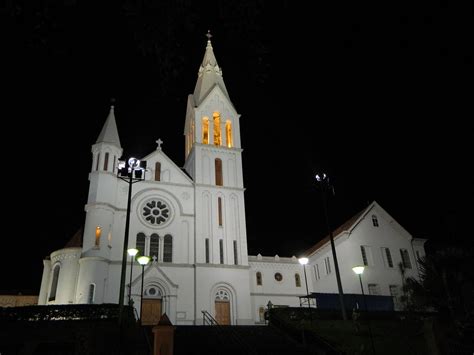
(378, 95)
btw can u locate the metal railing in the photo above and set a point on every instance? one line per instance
(207, 319)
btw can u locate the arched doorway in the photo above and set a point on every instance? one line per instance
(152, 305)
(222, 307)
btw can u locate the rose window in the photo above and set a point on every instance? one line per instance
(156, 212)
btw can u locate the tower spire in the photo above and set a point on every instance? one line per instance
(109, 133)
(209, 74)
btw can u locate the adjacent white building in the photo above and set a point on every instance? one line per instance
(191, 221)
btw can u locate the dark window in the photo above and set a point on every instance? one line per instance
(259, 278)
(219, 210)
(221, 251)
(236, 260)
(90, 298)
(168, 249)
(389, 257)
(154, 245)
(297, 280)
(405, 258)
(97, 163)
(364, 255)
(54, 283)
(106, 162)
(141, 244)
(218, 166)
(375, 221)
(207, 250)
(115, 161)
(157, 171)
(278, 277)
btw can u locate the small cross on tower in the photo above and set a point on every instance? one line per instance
(154, 258)
(208, 35)
(159, 142)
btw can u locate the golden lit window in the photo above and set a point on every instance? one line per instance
(205, 130)
(228, 134)
(98, 233)
(217, 128)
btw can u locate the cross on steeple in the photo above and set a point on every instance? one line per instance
(154, 258)
(159, 142)
(208, 35)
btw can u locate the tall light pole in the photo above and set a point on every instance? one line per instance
(143, 261)
(132, 252)
(131, 172)
(323, 181)
(304, 261)
(359, 270)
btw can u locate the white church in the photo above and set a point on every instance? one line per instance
(192, 224)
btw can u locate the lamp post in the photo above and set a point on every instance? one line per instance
(131, 172)
(323, 181)
(132, 252)
(304, 261)
(142, 260)
(359, 270)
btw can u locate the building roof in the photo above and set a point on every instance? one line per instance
(209, 75)
(345, 227)
(75, 241)
(109, 133)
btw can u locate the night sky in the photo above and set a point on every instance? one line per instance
(379, 96)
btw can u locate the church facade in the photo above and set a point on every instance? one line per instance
(191, 223)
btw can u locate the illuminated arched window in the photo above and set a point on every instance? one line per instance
(98, 233)
(217, 128)
(205, 130)
(218, 168)
(228, 134)
(54, 283)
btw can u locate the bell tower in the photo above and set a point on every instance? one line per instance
(214, 161)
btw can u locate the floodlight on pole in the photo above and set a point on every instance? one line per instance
(131, 172)
(323, 182)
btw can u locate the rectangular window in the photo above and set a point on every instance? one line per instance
(218, 172)
(394, 292)
(364, 255)
(109, 239)
(327, 264)
(374, 289)
(219, 210)
(97, 163)
(236, 260)
(405, 258)
(157, 171)
(115, 162)
(207, 250)
(316, 271)
(221, 251)
(106, 162)
(387, 257)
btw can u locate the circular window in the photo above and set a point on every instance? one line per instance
(278, 276)
(152, 291)
(155, 212)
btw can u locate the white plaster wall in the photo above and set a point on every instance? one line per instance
(93, 270)
(45, 282)
(68, 258)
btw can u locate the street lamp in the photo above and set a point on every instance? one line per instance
(304, 261)
(359, 270)
(323, 181)
(142, 260)
(131, 172)
(132, 252)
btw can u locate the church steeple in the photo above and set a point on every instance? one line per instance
(209, 74)
(109, 133)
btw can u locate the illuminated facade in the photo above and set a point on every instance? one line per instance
(192, 225)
